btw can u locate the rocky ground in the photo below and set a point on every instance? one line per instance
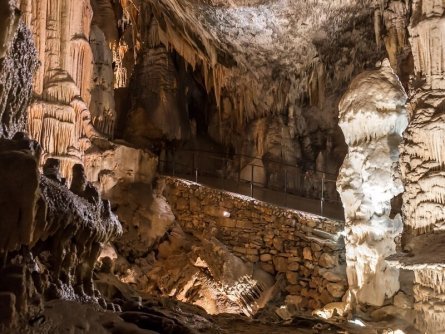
(152, 315)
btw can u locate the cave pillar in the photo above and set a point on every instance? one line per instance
(372, 117)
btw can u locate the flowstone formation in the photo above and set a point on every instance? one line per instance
(422, 166)
(59, 117)
(373, 118)
(158, 92)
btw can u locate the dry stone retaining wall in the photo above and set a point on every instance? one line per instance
(303, 248)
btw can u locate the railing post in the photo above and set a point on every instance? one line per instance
(285, 187)
(251, 181)
(224, 161)
(239, 172)
(193, 163)
(322, 193)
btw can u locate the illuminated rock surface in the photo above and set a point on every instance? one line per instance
(422, 168)
(373, 118)
(112, 92)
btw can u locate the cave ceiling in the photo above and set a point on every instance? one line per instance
(268, 55)
(258, 35)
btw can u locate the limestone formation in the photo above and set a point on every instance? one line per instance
(18, 62)
(60, 118)
(102, 106)
(51, 169)
(229, 83)
(79, 181)
(373, 118)
(51, 238)
(157, 111)
(422, 167)
(113, 92)
(119, 164)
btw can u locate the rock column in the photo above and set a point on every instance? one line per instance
(372, 118)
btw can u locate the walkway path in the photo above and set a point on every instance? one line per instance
(333, 210)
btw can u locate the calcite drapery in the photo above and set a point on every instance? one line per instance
(159, 109)
(422, 166)
(60, 118)
(373, 118)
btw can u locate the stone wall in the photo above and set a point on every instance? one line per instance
(302, 248)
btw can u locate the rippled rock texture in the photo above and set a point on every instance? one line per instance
(51, 237)
(18, 62)
(422, 157)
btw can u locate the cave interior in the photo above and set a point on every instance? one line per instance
(222, 166)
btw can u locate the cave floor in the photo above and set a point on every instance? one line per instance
(72, 317)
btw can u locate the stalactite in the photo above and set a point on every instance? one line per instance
(316, 84)
(121, 76)
(395, 19)
(378, 25)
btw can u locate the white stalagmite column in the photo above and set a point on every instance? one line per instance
(372, 117)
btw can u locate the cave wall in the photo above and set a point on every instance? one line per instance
(18, 62)
(422, 164)
(245, 91)
(306, 249)
(59, 116)
(51, 236)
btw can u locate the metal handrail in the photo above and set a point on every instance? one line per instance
(280, 162)
(298, 185)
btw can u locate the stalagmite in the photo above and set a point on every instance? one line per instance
(373, 118)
